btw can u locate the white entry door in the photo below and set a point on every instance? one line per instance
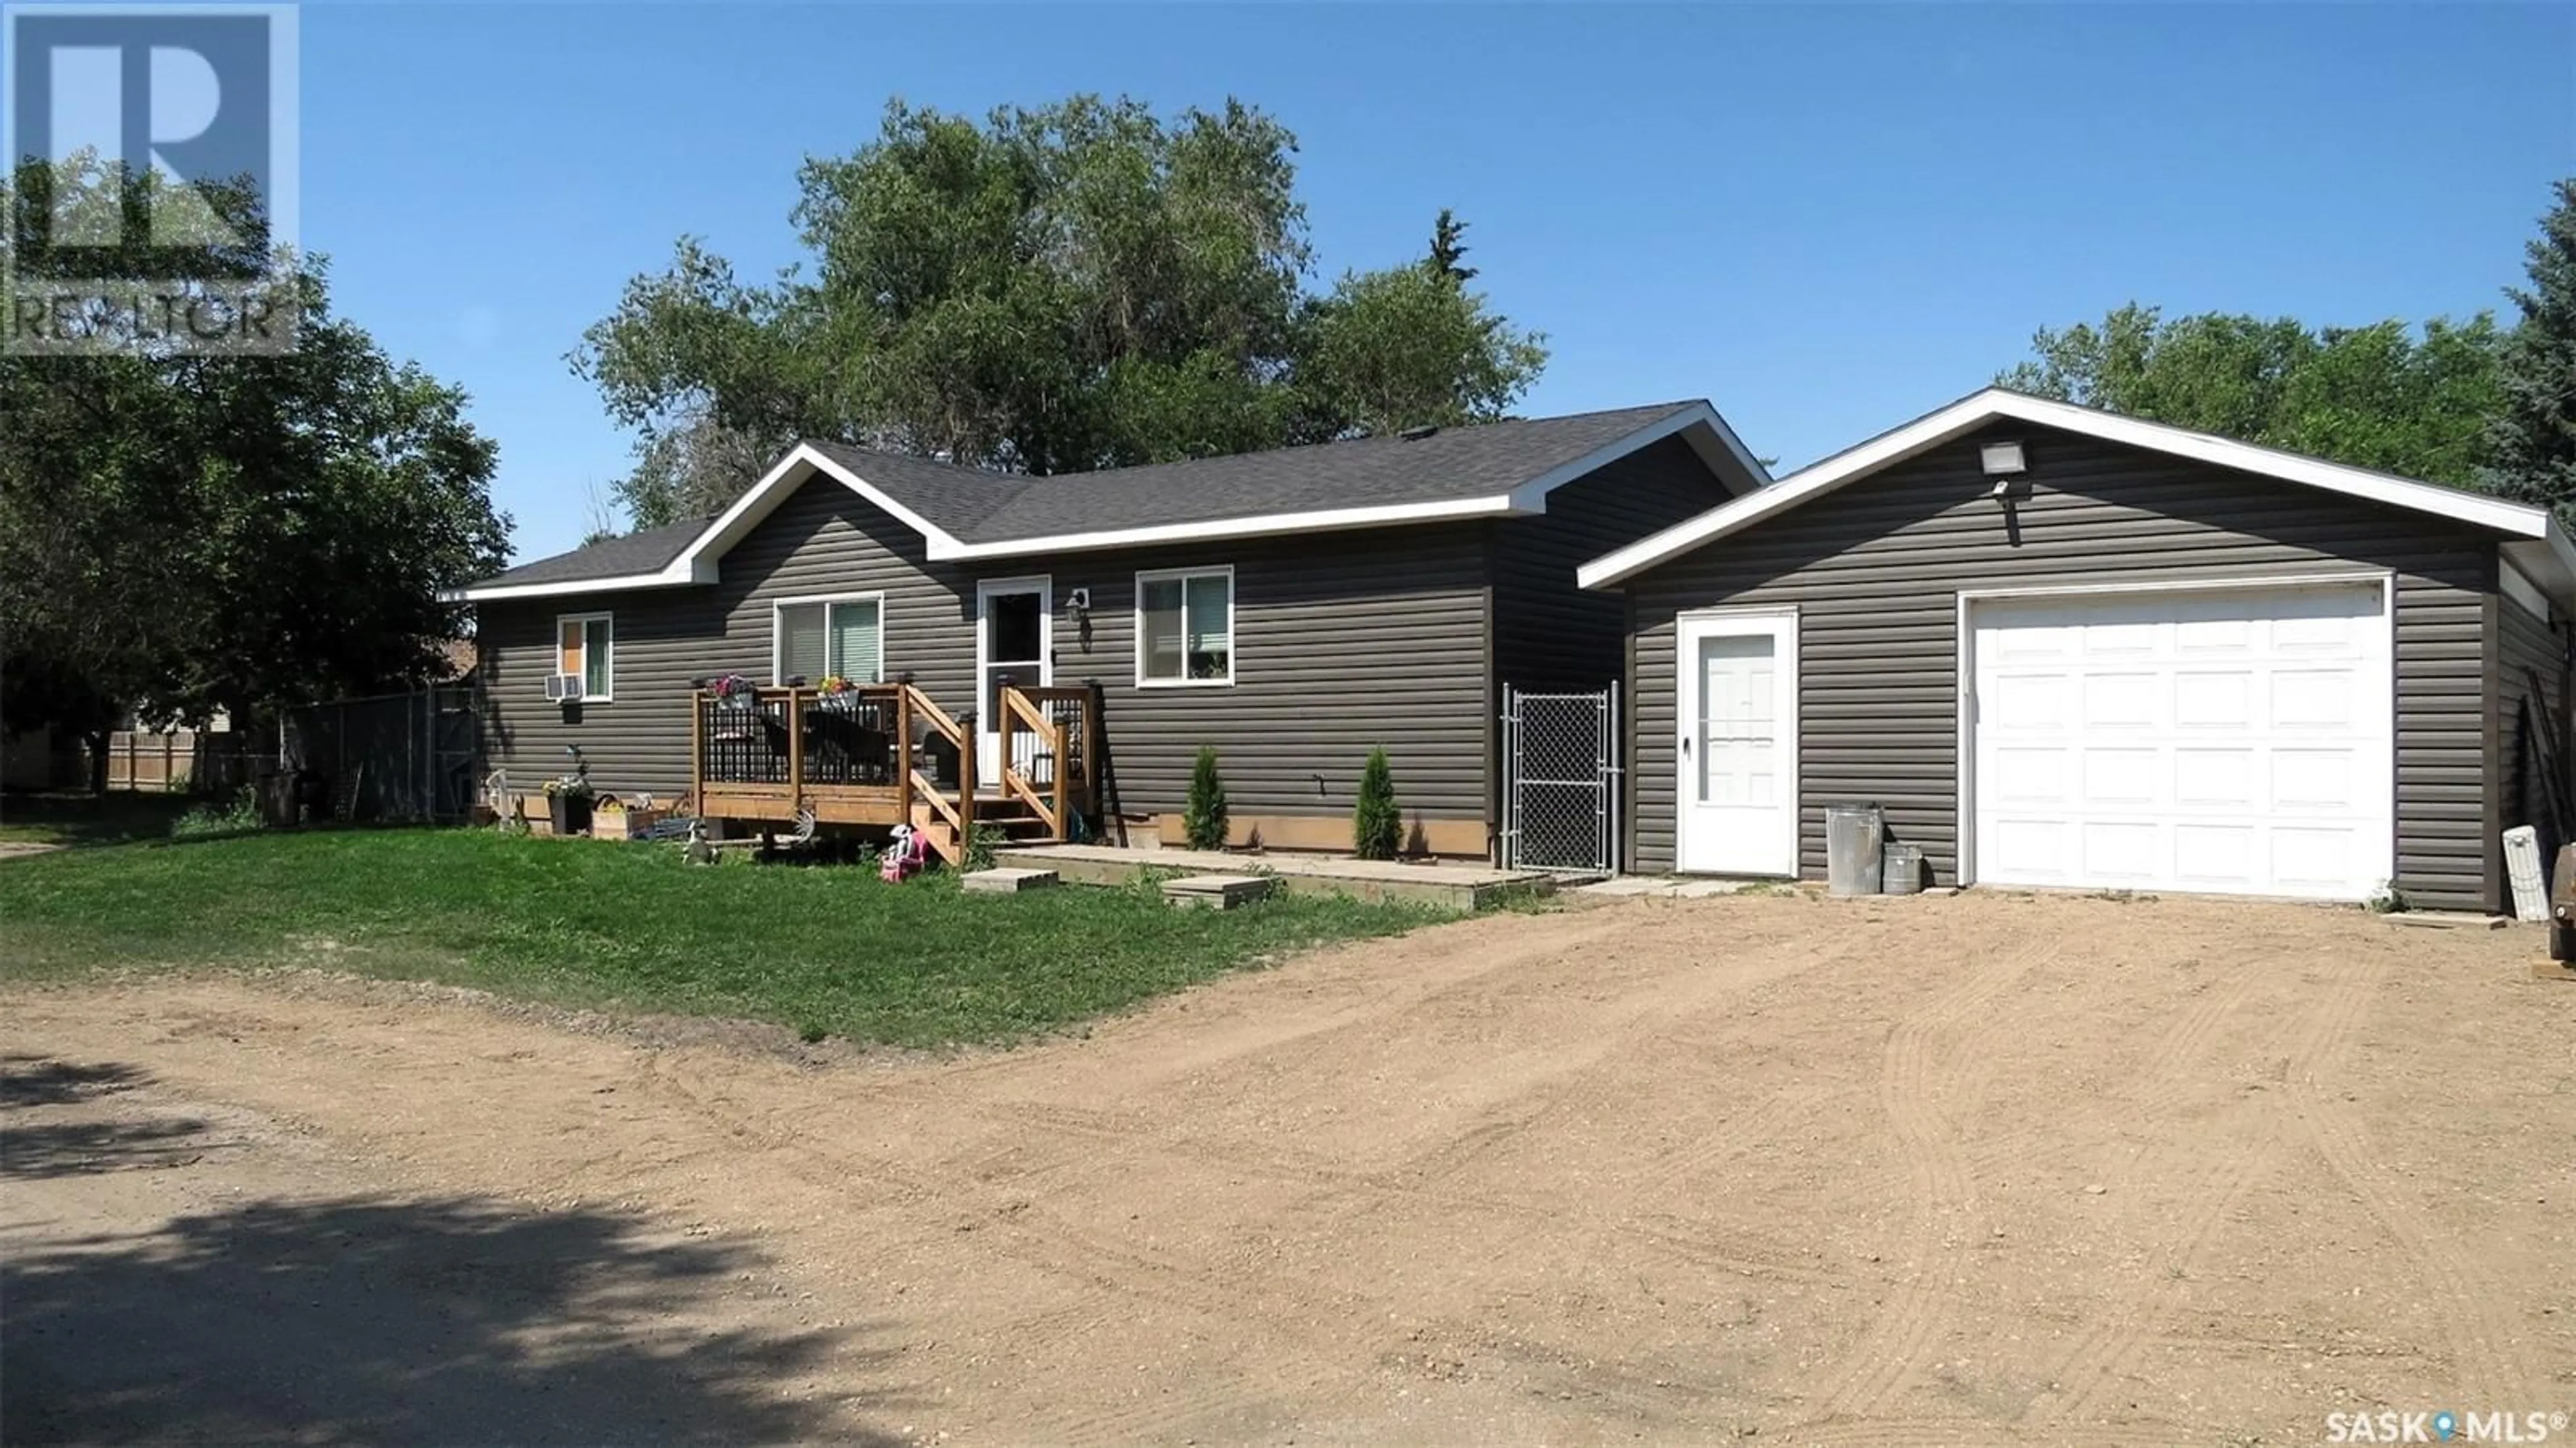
(1014, 644)
(1738, 751)
(2232, 742)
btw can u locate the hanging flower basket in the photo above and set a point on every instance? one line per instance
(733, 691)
(838, 694)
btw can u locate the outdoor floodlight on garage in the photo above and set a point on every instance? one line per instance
(2003, 463)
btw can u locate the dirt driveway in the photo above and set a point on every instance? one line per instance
(1919, 1171)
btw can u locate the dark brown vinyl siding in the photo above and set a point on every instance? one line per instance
(1549, 633)
(1344, 641)
(823, 539)
(2526, 643)
(1875, 570)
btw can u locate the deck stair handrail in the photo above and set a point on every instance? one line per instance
(1049, 740)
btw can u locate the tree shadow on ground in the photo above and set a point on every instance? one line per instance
(85, 819)
(368, 1319)
(44, 1081)
(73, 1148)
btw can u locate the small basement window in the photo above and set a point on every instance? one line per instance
(820, 637)
(585, 650)
(1185, 627)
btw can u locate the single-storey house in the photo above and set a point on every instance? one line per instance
(2064, 648)
(1291, 608)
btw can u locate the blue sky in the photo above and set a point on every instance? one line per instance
(1825, 219)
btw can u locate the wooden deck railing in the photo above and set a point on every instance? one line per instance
(884, 754)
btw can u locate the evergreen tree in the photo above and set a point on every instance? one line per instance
(1203, 819)
(1377, 825)
(1449, 248)
(2534, 433)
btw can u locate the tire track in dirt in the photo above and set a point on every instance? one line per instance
(1892, 1433)
(2108, 1356)
(1912, 1092)
(2163, 1079)
(2113, 1338)
(1115, 1274)
(2484, 1343)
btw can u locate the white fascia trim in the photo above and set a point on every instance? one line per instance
(2518, 586)
(1531, 497)
(735, 522)
(697, 562)
(2549, 563)
(1257, 527)
(497, 592)
(1993, 404)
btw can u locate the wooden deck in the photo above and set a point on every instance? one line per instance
(881, 755)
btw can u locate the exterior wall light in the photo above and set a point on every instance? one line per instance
(2004, 463)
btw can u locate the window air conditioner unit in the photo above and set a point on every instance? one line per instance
(563, 688)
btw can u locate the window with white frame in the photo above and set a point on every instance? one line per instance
(818, 638)
(1185, 627)
(586, 649)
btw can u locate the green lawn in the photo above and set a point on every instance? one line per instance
(826, 949)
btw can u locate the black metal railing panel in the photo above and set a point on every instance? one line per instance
(742, 738)
(850, 738)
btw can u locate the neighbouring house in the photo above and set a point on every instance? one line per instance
(2065, 648)
(1292, 609)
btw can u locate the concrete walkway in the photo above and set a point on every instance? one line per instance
(1459, 887)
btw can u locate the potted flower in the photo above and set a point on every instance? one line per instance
(733, 691)
(838, 693)
(568, 801)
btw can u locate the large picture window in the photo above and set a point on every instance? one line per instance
(586, 649)
(820, 637)
(1185, 627)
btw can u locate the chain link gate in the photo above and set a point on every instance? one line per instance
(1561, 781)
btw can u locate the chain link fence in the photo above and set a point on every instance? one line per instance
(1561, 781)
(415, 756)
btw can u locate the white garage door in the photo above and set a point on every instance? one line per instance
(2233, 742)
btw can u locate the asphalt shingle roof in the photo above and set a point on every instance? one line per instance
(975, 506)
(642, 552)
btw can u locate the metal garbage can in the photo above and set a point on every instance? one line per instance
(1855, 834)
(1903, 874)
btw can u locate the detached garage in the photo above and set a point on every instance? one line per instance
(2065, 648)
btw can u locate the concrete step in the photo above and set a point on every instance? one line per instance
(1217, 892)
(1007, 882)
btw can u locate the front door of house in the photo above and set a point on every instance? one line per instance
(1014, 626)
(1738, 750)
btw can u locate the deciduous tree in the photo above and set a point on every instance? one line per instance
(2383, 396)
(185, 533)
(1079, 286)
